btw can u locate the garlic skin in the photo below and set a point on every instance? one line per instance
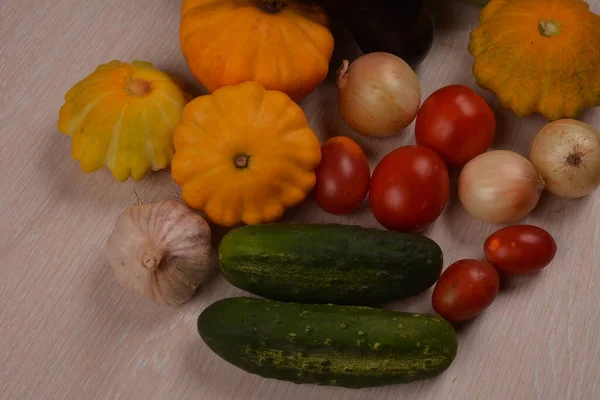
(160, 251)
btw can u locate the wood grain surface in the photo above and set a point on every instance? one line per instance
(67, 331)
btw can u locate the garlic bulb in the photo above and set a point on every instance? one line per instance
(160, 251)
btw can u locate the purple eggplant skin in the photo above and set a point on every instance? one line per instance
(404, 28)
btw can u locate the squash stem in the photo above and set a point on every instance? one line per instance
(241, 161)
(138, 87)
(273, 6)
(549, 28)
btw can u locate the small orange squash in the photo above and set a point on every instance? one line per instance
(244, 154)
(539, 56)
(122, 116)
(284, 45)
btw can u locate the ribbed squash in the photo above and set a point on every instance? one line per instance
(122, 116)
(539, 56)
(284, 45)
(244, 154)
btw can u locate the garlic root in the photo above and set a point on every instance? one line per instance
(160, 251)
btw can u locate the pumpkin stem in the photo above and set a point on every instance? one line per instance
(241, 161)
(273, 6)
(138, 87)
(549, 28)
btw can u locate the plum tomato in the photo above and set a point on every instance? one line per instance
(520, 249)
(456, 123)
(409, 189)
(465, 289)
(342, 176)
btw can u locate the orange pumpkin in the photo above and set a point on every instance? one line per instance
(284, 45)
(539, 56)
(244, 154)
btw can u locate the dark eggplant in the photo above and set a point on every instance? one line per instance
(401, 27)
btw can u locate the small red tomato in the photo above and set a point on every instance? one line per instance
(520, 249)
(456, 123)
(409, 189)
(342, 176)
(465, 289)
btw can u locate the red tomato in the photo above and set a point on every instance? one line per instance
(520, 249)
(456, 123)
(409, 189)
(342, 176)
(465, 289)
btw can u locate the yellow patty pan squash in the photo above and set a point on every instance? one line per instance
(284, 45)
(122, 116)
(539, 56)
(244, 154)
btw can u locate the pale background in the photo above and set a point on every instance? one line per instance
(67, 331)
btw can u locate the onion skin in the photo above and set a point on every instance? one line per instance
(567, 154)
(499, 187)
(379, 94)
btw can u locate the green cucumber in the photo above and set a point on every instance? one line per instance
(329, 263)
(326, 344)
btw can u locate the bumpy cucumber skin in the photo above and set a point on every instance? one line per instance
(325, 344)
(329, 263)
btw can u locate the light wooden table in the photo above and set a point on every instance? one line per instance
(67, 331)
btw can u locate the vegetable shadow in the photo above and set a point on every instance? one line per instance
(442, 12)
(210, 372)
(419, 303)
(345, 48)
(502, 137)
(118, 304)
(512, 132)
(587, 115)
(455, 217)
(217, 232)
(463, 327)
(191, 85)
(524, 283)
(65, 180)
(54, 154)
(309, 212)
(557, 207)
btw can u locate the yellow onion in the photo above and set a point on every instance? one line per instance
(567, 154)
(379, 94)
(500, 187)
